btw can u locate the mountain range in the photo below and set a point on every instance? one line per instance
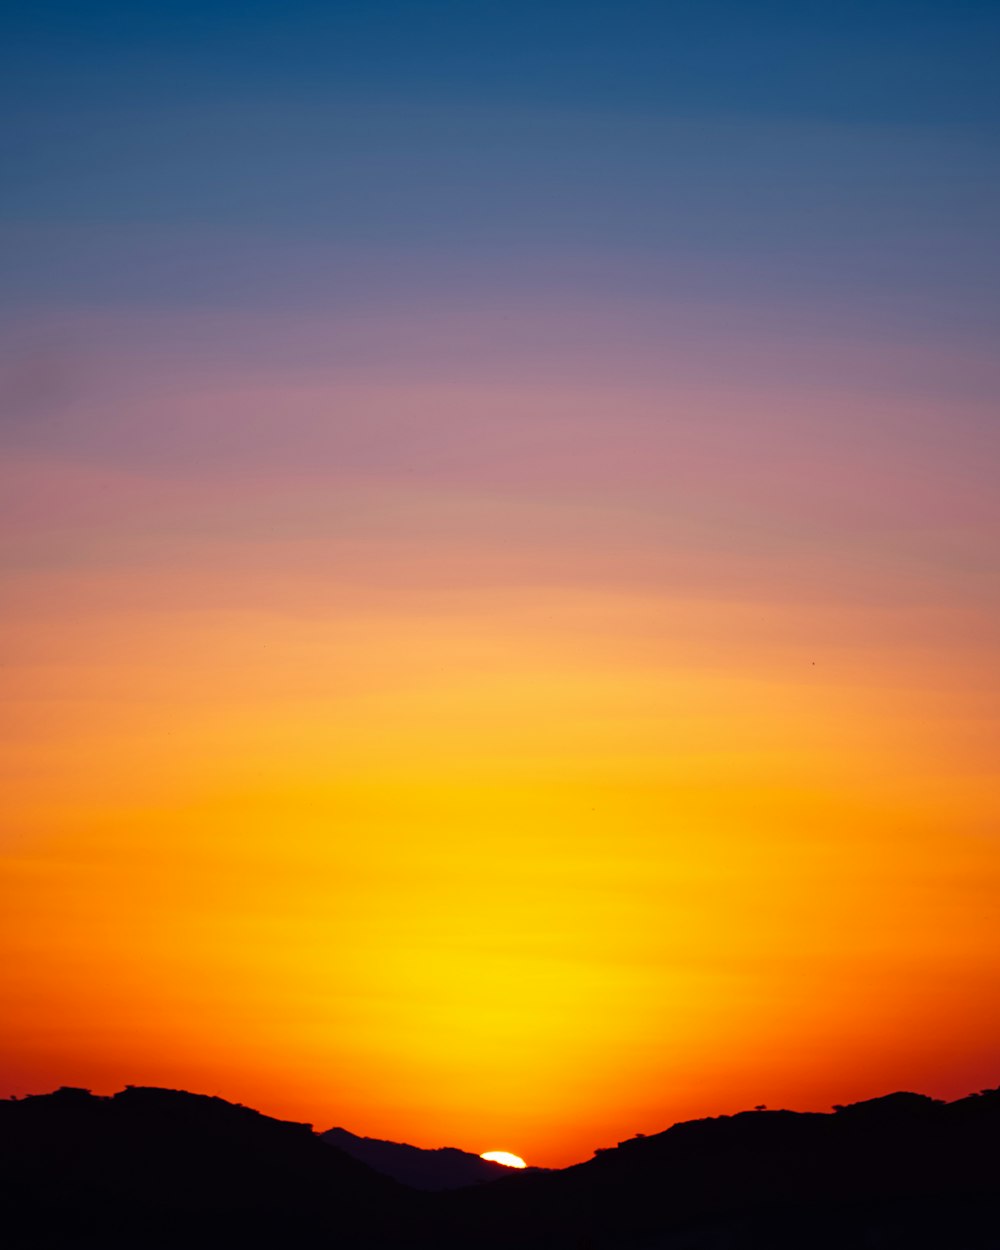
(157, 1168)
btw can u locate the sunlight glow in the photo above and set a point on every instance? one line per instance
(504, 1157)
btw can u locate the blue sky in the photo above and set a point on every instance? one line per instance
(596, 402)
(842, 151)
(897, 62)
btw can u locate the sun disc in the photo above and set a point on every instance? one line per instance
(504, 1157)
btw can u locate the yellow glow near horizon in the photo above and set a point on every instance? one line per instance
(517, 869)
(476, 819)
(504, 1157)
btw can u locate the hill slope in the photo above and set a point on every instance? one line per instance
(446, 1168)
(900, 1171)
(153, 1167)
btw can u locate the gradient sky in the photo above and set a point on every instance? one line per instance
(500, 559)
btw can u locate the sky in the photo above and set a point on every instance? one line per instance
(499, 559)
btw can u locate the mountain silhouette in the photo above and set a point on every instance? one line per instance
(158, 1168)
(444, 1168)
(899, 1171)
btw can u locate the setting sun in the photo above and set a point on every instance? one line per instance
(504, 1157)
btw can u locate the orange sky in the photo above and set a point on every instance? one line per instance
(523, 805)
